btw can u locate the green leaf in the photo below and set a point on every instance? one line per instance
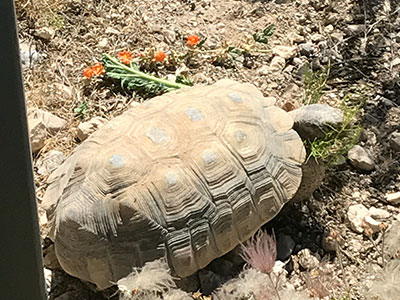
(263, 36)
(184, 80)
(269, 30)
(234, 52)
(81, 109)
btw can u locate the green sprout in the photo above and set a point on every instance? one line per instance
(314, 83)
(81, 110)
(263, 36)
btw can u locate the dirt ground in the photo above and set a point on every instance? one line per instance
(357, 41)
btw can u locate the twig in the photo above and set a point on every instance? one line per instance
(339, 255)
(274, 285)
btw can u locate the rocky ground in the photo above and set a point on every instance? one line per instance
(322, 50)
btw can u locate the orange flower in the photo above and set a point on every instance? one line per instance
(88, 73)
(125, 57)
(192, 40)
(160, 56)
(98, 69)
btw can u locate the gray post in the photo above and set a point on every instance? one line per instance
(21, 267)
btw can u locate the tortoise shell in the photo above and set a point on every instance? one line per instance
(186, 176)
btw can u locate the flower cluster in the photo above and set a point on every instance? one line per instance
(96, 70)
(192, 40)
(160, 56)
(125, 57)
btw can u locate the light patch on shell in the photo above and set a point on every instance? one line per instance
(235, 98)
(171, 179)
(117, 161)
(157, 135)
(194, 114)
(209, 157)
(240, 136)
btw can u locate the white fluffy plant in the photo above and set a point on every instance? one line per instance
(386, 285)
(259, 280)
(151, 282)
(255, 285)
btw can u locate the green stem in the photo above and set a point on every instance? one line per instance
(122, 66)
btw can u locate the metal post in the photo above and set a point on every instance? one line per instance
(21, 267)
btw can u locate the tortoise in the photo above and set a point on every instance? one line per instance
(186, 176)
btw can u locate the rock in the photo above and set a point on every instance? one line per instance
(320, 4)
(263, 70)
(277, 64)
(354, 29)
(355, 246)
(296, 38)
(286, 52)
(37, 134)
(64, 90)
(312, 121)
(395, 141)
(393, 198)
(329, 29)
(337, 37)
(356, 215)
(307, 260)
(317, 37)
(51, 122)
(279, 267)
(297, 61)
(169, 36)
(41, 124)
(372, 224)
(285, 245)
(87, 128)
(46, 33)
(306, 49)
(378, 213)
(396, 62)
(29, 55)
(49, 162)
(110, 30)
(103, 43)
(361, 159)
(386, 102)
